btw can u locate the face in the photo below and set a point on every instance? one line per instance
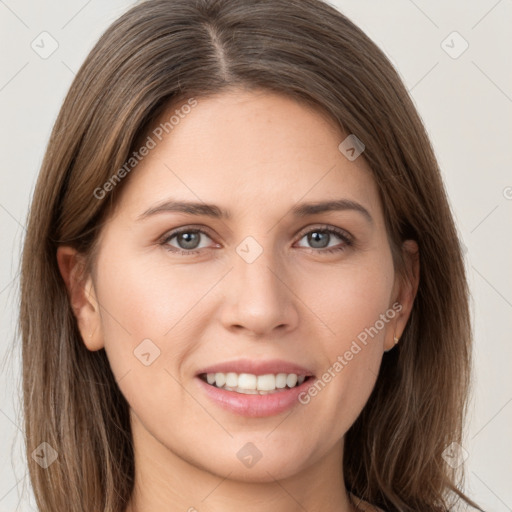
(255, 283)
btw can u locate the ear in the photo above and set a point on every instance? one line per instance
(404, 292)
(82, 296)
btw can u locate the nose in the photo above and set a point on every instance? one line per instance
(258, 298)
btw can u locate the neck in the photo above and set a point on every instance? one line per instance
(164, 481)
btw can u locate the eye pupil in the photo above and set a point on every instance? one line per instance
(190, 239)
(317, 239)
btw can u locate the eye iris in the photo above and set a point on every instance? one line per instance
(188, 240)
(317, 239)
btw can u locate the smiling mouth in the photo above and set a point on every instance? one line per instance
(250, 384)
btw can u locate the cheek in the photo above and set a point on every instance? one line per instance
(350, 297)
(151, 317)
(149, 323)
(149, 296)
(354, 304)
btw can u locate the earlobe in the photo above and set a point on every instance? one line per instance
(395, 341)
(407, 289)
(82, 296)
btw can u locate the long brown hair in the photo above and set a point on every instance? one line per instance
(160, 52)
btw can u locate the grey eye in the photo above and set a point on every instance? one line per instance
(318, 239)
(188, 240)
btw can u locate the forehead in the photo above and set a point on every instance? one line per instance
(243, 149)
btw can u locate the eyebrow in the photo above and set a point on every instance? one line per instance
(210, 210)
(304, 209)
(214, 211)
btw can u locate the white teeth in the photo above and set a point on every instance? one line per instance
(254, 384)
(247, 381)
(266, 382)
(231, 380)
(291, 380)
(220, 379)
(242, 390)
(281, 380)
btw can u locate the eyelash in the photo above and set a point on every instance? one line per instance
(342, 234)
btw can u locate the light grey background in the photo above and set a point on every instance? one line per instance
(465, 102)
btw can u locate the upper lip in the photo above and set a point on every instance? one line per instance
(257, 367)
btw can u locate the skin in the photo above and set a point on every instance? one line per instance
(256, 154)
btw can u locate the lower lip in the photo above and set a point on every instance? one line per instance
(255, 406)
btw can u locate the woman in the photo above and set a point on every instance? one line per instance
(242, 286)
